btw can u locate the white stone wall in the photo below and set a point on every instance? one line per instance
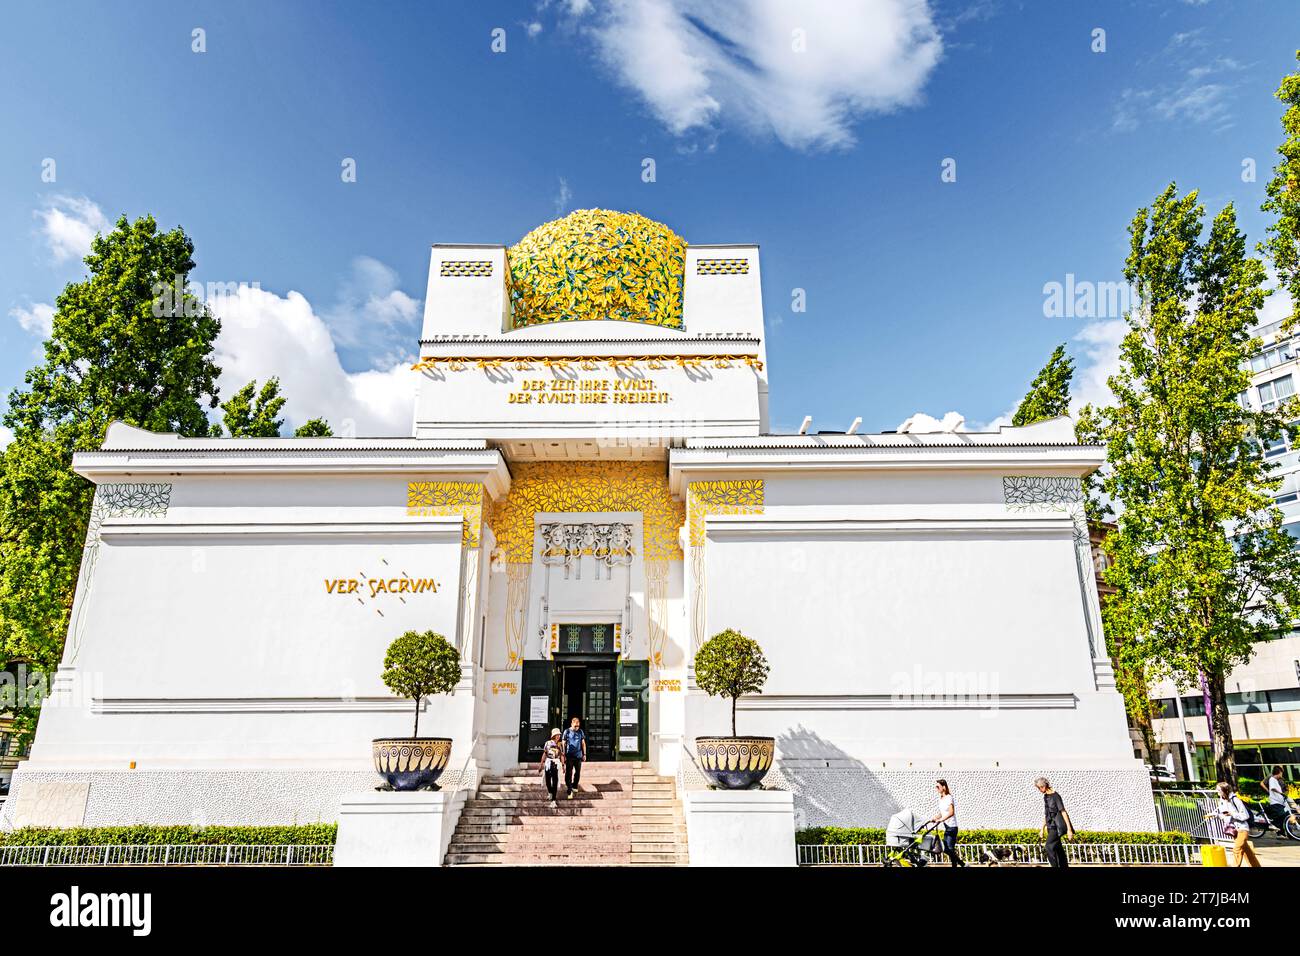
(918, 626)
(217, 671)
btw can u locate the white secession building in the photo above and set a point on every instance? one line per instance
(590, 490)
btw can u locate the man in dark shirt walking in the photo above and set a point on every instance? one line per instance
(575, 752)
(1056, 823)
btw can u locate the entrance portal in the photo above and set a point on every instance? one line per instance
(587, 692)
(607, 694)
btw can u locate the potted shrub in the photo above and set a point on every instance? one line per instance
(727, 665)
(417, 664)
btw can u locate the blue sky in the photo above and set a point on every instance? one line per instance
(922, 295)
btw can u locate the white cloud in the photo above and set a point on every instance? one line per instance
(562, 197)
(37, 320)
(1277, 306)
(6, 436)
(372, 315)
(265, 335)
(68, 224)
(920, 423)
(1099, 344)
(1200, 95)
(803, 73)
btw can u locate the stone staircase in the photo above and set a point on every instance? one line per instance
(624, 815)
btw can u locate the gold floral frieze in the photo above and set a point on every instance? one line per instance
(443, 498)
(569, 364)
(739, 497)
(585, 487)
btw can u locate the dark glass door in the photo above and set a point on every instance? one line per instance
(538, 709)
(587, 692)
(598, 711)
(633, 710)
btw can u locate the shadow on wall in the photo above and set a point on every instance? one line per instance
(831, 787)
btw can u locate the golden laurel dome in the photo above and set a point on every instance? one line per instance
(598, 264)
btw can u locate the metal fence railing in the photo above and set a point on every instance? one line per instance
(1114, 854)
(225, 854)
(1185, 811)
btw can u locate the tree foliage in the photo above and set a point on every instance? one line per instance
(252, 414)
(729, 664)
(1282, 247)
(314, 428)
(1200, 561)
(420, 663)
(1049, 393)
(119, 350)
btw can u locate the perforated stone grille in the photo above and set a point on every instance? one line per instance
(718, 267)
(465, 268)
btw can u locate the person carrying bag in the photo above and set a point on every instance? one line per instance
(1236, 824)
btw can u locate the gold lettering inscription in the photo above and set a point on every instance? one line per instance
(377, 586)
(589, 391)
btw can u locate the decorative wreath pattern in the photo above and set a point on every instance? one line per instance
(405, 756)
(1039, 493)
(735, 753)
(598, 264)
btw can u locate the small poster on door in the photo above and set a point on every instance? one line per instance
(628, 744)
(537, 707)
(627, 715)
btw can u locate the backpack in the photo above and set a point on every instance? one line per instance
(573, 742)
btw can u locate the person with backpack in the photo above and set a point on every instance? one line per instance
(575, 752)
(1056, 824)
(1236, 824)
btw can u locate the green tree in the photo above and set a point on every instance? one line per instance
(251, 414)
(1049, 397)
(1088, 430)
(729, 664)
(1283, 244)
(420, 663)
(1049, 393)
(314, 428)
(1200, 561)
(128, 343)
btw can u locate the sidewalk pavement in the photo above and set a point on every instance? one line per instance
(1273, 851)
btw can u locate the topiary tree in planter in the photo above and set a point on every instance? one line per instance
(729, 664)
(417, 664)
(420, 663)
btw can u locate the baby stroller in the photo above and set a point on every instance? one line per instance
(909, 839)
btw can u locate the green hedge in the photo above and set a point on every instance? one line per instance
(828, 836)
(142, 835)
